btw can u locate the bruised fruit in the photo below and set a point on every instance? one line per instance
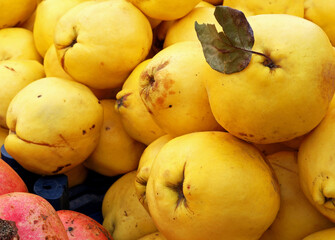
(174, 90)
(136, 119)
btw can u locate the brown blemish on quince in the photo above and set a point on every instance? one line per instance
(10, 68)
(61, 168)
(327, 82)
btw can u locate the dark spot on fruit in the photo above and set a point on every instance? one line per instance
(10, 68)
(84, 132)
(66, 142)
(93, 126)
(61, 168)
(125, 213)
(122, 101)
(243, 134)
(170, 106)
(74, 41)
(168, 84)
(151, 80)
(70, 229)
(99, 102)
(44, 227)
(39, 96)
(62, 61)
(160, 100)
(44, 217)
(107, 128)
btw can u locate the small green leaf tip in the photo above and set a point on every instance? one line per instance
(228, 51)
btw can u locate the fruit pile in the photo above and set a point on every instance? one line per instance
(205, 119)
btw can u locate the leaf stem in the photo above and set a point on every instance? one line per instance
(268, 62)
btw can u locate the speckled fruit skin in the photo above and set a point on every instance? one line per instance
(35, 218)
(10, 181)
(81, 226)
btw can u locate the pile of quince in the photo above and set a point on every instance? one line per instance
(217, 116)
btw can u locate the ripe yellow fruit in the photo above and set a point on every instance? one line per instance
(15, 75)
(327, 234)
(76, 175)
(47, 15)
(18, 44)
(297, 217)
(124, 217)
(255, 7)
(153, 236)
(316, 165)
(321, 12)
(29, 23)
(272, 148)
(144, 167)
(214, 2)
(3, 134)
(14, 12)
(183, 29)
(165, 10)
(116, 153)
(203, 4)
(172, 88)
(54, 125)
(264, 102)
(161, 30)
(108, 43)
(52, 66)
(135, 117)
(211, 185)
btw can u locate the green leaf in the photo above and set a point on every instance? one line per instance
(228, 51)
